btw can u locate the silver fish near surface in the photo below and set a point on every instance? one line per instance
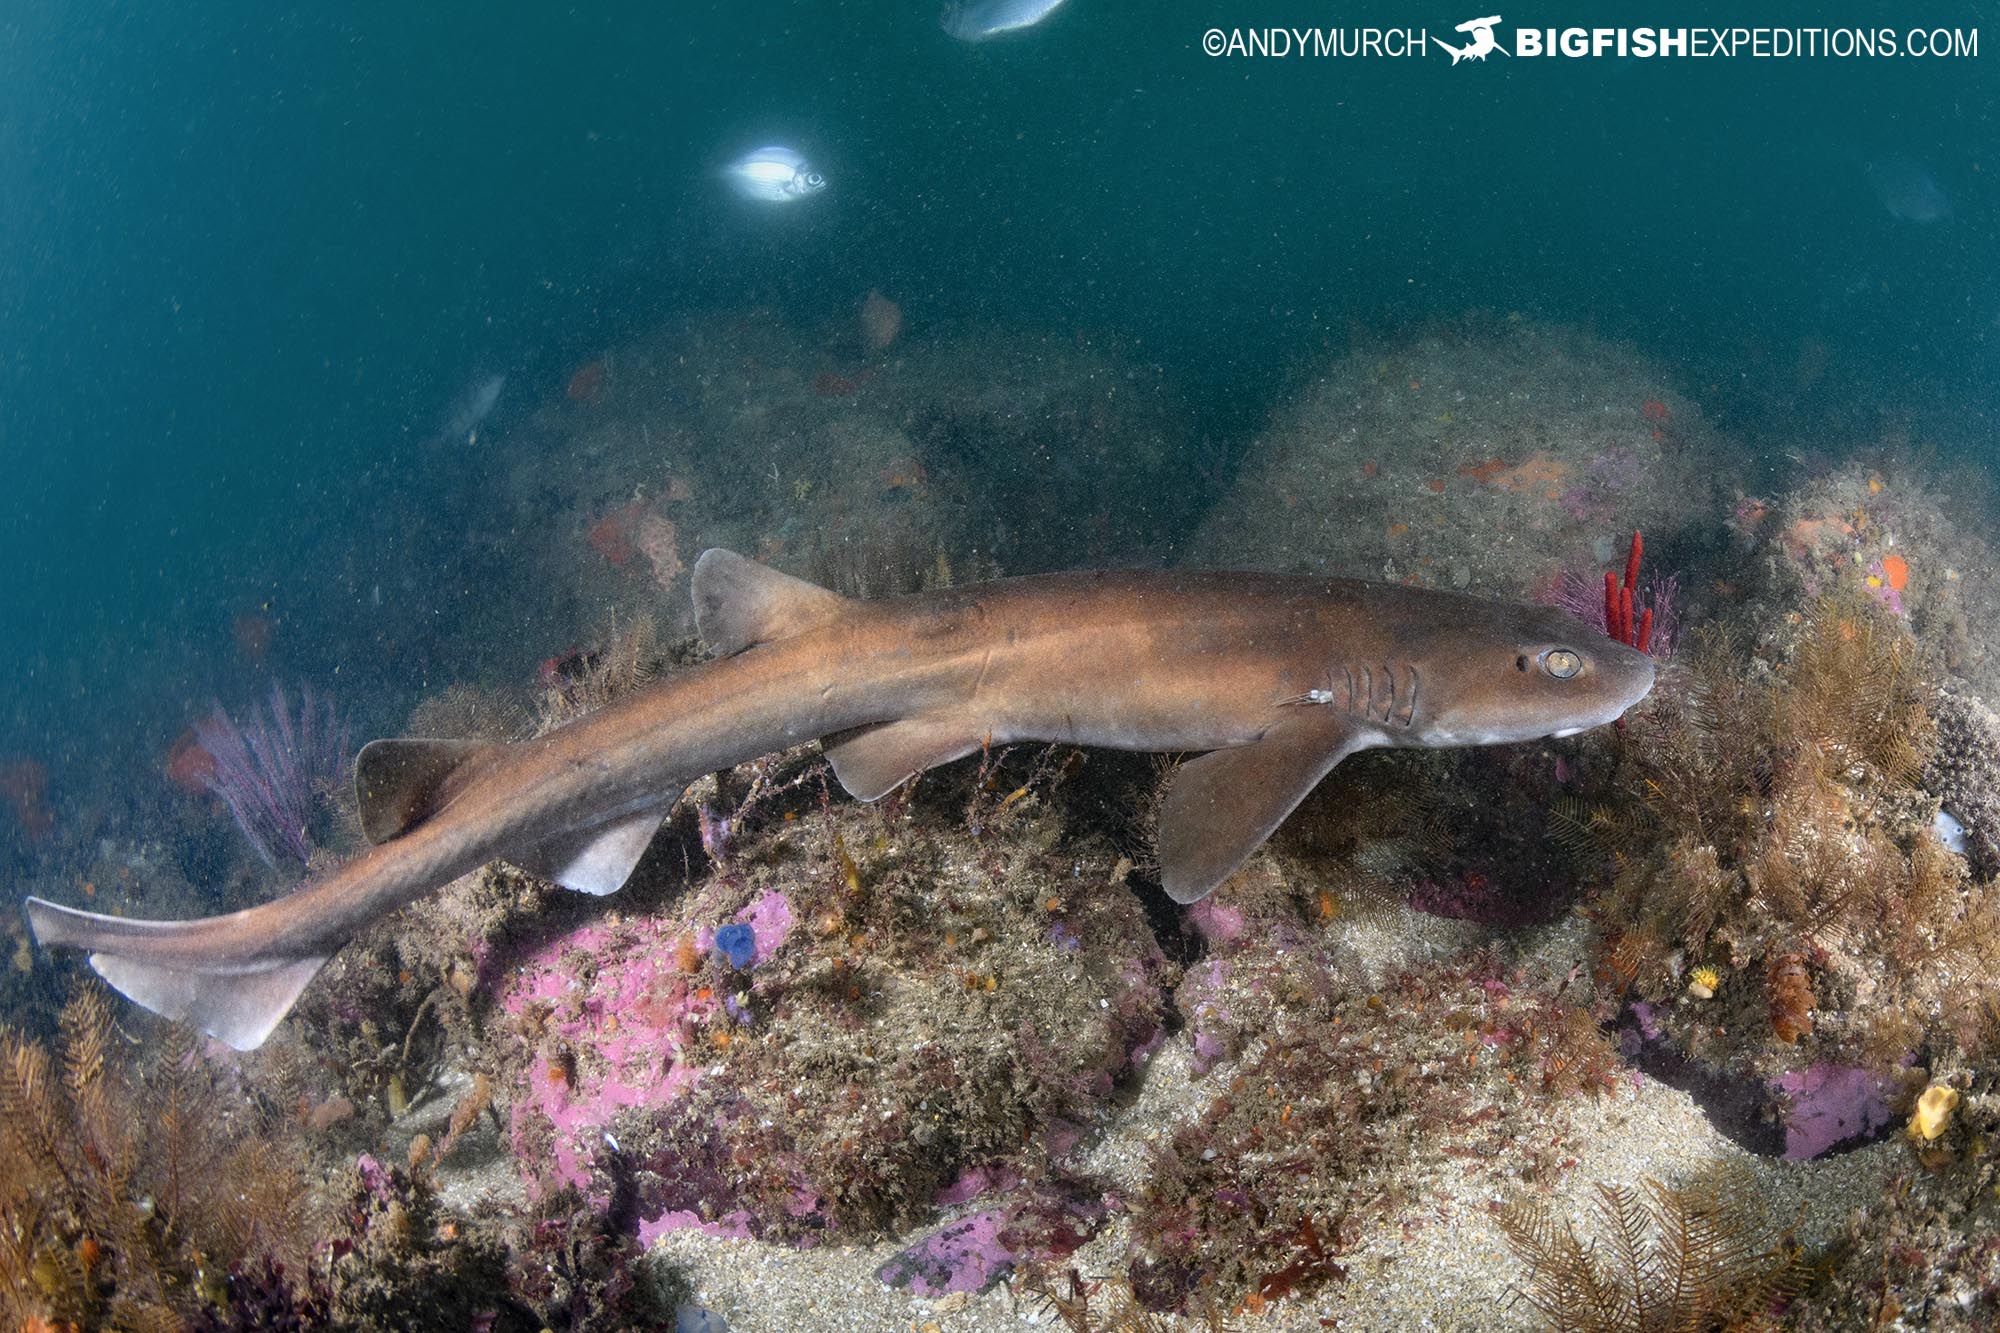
(774, 174)
(471, 408)
(1907, 190)
(977, 20)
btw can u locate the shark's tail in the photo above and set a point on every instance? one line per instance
(150, 962)
(236, 976)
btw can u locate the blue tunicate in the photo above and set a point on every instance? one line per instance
(738, 943)
(692, 1318)
(1950, 831)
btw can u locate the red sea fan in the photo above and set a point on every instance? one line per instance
(1622, 610)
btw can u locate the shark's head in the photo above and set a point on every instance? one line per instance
(1516, 673)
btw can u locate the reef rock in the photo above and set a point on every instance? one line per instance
(855, 1009)
(1482, 460)
(1888, 529)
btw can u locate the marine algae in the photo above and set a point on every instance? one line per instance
(1342, 1111)
(1770, 826)
(1665, 1259)
(128, 1195)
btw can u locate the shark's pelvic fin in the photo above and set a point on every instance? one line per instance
(1221, 806)
(239, 1004)
(873, 761)
(601, 858)
(738, 602)
(403, 781)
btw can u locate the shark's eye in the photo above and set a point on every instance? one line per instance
(1562, 663)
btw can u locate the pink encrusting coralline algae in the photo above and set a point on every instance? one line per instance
(626, 995)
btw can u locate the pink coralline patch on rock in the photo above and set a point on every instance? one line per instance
(735, 1226)
(627, 1026)
(771, 917)
(967, 1255)
(629, 1022)
(1829, 1105)
(1218, 924)
(655, 539)
(1048, 1222)
(770, 922)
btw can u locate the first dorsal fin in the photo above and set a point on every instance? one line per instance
(738, 602)
(405, 780)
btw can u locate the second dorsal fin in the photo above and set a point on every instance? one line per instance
(403, 781)
(738, 602)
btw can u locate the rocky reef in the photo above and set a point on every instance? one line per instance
(1547, 443)
(852, 1014)
(1727, 970)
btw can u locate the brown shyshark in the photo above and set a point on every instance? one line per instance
(1275, 678)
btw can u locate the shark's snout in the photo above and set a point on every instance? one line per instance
(1621, 678)
(1632, 674)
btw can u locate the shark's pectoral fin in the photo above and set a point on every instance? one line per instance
(873, 761)
(738, 602)
(402, 781)
(1221, 806)
(598, 859)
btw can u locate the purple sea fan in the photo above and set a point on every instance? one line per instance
(268, 772)
(1583, 597)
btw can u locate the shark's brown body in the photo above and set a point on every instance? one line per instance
(1275, 678)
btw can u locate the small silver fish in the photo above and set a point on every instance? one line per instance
(774, 175)
(977, 20)
(473, 406)
(1907, 190)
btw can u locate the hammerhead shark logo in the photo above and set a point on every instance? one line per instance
(1482, 43)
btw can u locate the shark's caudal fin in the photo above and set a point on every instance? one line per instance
(1221, 807)
(738, 602)
(238, 1003)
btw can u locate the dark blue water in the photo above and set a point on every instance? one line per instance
(249, 252)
